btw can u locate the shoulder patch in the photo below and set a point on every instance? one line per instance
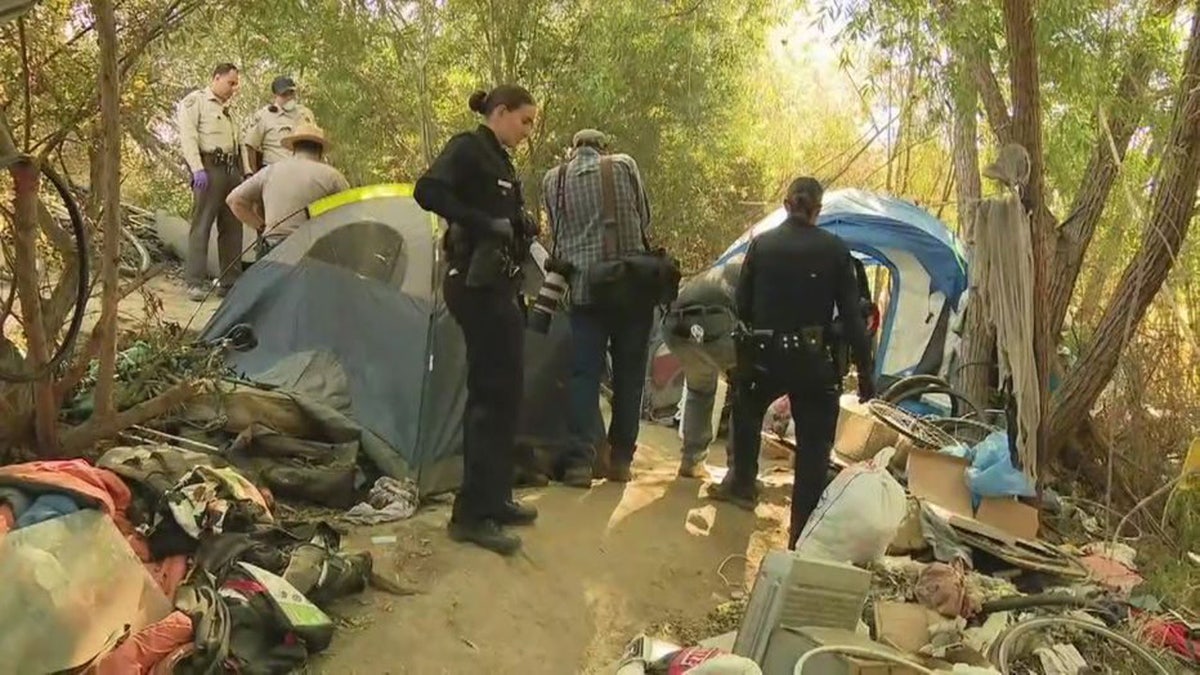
(189, 101)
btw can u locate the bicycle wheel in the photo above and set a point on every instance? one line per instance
(61, 251)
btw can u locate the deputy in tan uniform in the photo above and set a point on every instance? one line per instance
(208, 141)
(274, 200)
(264, 134)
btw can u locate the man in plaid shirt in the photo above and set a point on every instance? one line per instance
(573, 199)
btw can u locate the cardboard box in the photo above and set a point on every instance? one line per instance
(904, 625)
(941, 480)
(859, 435)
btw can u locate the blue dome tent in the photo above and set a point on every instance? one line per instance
(925, 294)
(928, 274)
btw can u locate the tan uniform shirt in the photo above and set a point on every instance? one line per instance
(267, 128)
(285, 188)
(205, 125)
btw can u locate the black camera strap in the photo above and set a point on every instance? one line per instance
(560, 206)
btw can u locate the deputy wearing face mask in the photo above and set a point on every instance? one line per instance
(264, 134)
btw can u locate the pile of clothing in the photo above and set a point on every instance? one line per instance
(229, 588)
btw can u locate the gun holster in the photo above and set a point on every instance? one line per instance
(489, 262)
(753, 348)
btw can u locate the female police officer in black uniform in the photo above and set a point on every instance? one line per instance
(472, 184)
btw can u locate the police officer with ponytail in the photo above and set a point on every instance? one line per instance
(792, 279)
(473, 185)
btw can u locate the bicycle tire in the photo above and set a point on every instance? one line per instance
(1001, 651)
(81, 286)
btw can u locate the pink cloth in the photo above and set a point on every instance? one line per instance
(168, 573)
(76, 477)
(142, 651)
(6, 519)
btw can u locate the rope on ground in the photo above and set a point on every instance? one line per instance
(726, 561)
(863, 652)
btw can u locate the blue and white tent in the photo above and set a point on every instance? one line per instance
(928, 274)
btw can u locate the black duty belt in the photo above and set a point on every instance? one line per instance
(809, 338)
(229, 160)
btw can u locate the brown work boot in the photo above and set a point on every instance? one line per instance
(696, 470)
(620, 472)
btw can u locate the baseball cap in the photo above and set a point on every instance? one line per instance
(282, 85)
(589, 137)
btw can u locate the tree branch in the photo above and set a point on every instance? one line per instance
(79, 367)
(1163, 236)
(84, 436)
(170, 18)
(993, 98)
(1113, 136)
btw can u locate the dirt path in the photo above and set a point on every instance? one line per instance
(601, 566)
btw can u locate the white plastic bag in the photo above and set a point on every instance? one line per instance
(858, 515)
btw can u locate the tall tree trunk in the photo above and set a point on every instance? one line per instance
(1113, 134)
(1162, 238)
(109, 195)
(1019, 29)
(978, 336)
(25, 213)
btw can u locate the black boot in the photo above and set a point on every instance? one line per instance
(516, 513)
(741, 496)
(577, 477)
(485, 534)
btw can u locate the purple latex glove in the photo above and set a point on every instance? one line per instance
(200, 180)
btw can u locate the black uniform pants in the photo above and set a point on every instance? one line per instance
(812, 389)
(493, 330)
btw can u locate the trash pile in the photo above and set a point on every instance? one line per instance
(157, 559)
(926, 555)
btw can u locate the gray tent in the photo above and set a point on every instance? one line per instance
(348, 311)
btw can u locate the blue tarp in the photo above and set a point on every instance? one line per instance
(872, 223)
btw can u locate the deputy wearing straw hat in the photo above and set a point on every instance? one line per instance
(274, 200)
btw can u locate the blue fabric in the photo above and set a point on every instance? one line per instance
(992, 473)
(46, 507)
(871, 223)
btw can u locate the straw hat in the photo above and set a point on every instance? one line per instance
(306, 132)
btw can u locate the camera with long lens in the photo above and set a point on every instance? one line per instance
(550, 295)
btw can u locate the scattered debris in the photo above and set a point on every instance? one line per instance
(389, 500)
(153, 527)
(1061, 659)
